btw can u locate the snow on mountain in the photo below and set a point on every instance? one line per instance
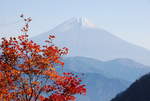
(74, 23)
(83, 38)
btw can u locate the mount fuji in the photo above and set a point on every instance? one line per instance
(84, 38)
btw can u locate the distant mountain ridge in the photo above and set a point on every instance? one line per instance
(125, 69)
(83, 38)
(105, 79)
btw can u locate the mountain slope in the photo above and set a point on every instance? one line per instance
(138, 91)
(98, 87)
(84, 39)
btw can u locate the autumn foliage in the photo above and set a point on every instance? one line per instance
(28, 71)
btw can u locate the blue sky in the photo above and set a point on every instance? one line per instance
(128, 19)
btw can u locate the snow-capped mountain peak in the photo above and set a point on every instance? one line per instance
(84, 22)
(84, 39)
(75, 22)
